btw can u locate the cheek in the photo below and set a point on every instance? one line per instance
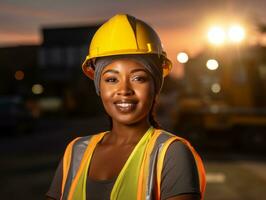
(106, 103)
(147, 94)
(104, 94)
(104, 89)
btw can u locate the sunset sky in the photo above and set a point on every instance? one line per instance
(181, 24)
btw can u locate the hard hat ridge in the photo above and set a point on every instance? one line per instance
(132, 21)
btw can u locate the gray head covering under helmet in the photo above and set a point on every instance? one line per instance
(151, 62)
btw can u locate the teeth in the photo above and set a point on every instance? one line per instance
(125, 105)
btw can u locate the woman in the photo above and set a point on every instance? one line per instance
(135, 159)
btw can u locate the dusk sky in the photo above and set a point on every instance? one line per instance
(181, 24)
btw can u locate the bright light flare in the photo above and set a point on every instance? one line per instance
(236, 33)
(212, 64)
(182, 57)
(216, 35)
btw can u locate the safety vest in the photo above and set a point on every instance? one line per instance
(140, 177)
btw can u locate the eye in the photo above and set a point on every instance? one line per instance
(139, 78)
(110, 80)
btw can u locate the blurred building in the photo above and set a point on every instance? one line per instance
(18, 66)
(63, 51)
(59, 59)
(49, 75)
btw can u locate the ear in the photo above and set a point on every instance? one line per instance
(89, 71)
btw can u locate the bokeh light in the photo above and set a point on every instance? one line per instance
(19, 75)
(182, 57)
(216, 35)
(216, 88)
(212, 64)
(37, 89)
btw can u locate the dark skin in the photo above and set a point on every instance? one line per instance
(127, 93)
(119, 85)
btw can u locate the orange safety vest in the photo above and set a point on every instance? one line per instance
(150, 153)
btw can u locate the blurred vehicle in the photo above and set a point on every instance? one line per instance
(15, 118)
(226, 101)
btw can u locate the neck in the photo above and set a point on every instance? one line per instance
(122, 134)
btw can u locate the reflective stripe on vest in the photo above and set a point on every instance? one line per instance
(71, 162)
(78, 155)
(162, 151)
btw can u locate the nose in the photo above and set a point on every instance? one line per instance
(125, 89)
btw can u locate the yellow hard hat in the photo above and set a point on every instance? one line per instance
(124, 34)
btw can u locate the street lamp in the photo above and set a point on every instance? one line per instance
(236, 33)
(216, 35)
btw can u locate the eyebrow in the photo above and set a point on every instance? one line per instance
(111, 71)
(117, 72)
(138, 69)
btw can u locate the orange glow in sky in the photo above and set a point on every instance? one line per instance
(179, 23)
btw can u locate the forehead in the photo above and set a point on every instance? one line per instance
(124, 65)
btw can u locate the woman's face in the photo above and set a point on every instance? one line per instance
(127, 92)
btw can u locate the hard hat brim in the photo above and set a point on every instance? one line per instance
(88, 68)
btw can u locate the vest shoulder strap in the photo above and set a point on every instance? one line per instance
(72, 160)
(165, 140)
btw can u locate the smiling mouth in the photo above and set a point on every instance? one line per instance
(125, 107)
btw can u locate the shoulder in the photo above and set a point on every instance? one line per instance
(177, 149)
(167, 137)
(179, 153)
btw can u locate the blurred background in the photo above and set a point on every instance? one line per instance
(215, 95)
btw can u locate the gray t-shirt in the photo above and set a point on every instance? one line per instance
(179, 176)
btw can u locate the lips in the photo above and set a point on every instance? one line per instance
(125, 106)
